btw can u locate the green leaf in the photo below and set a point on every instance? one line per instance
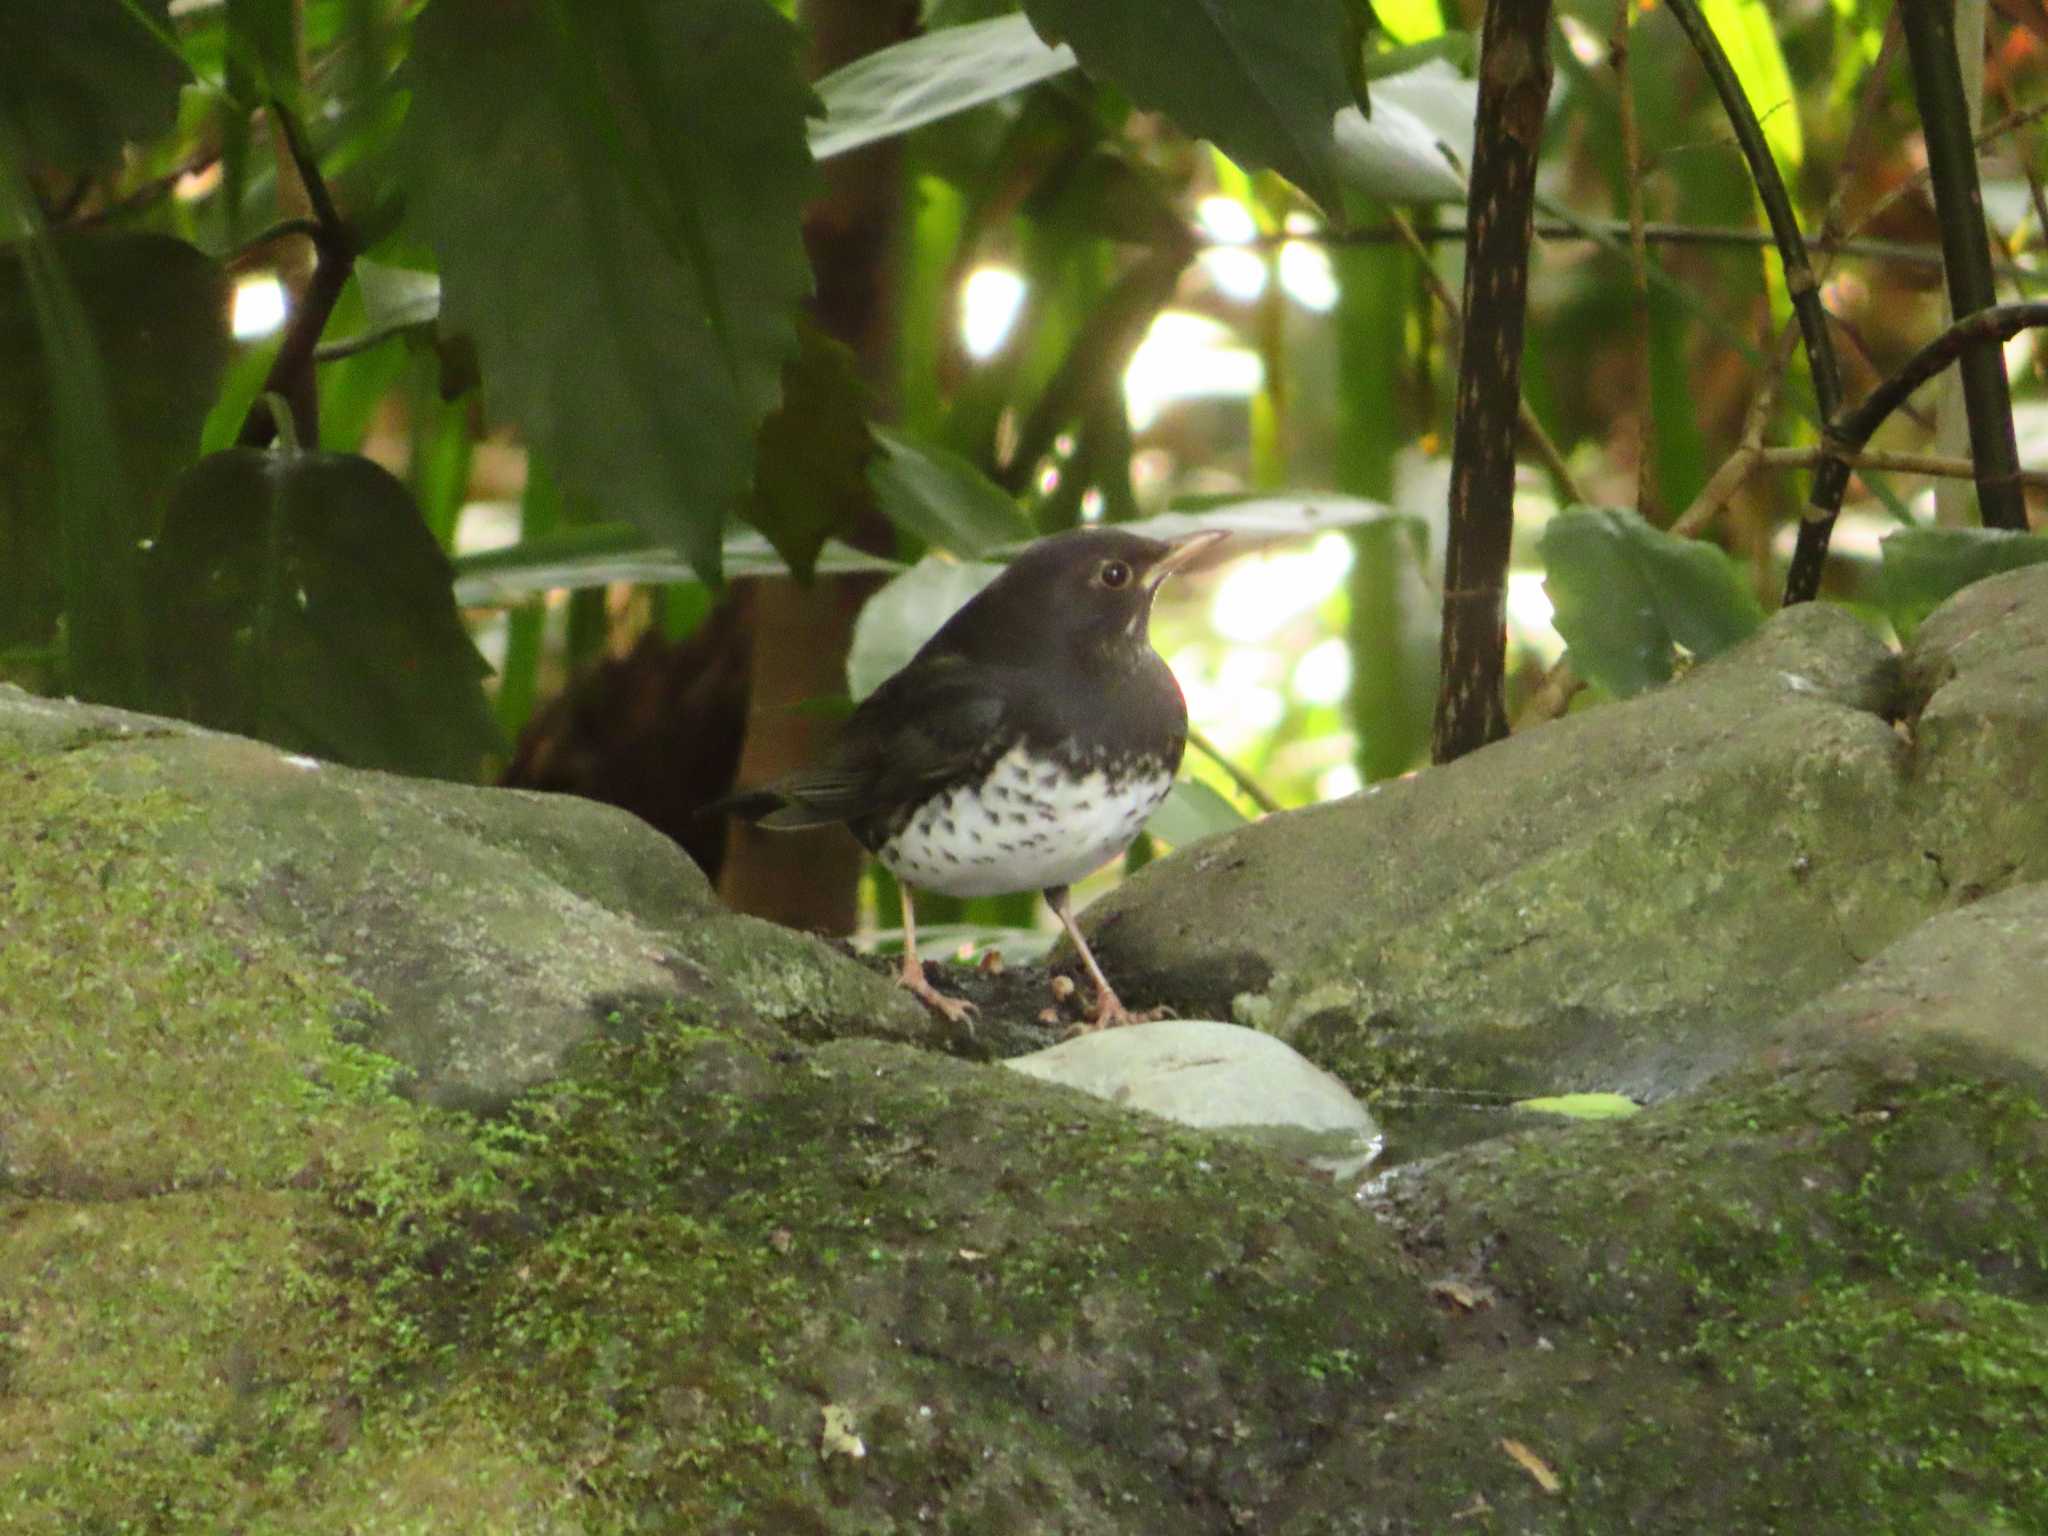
(111, 348)
(943, 499)
(1262, 79)
(1924, 567)
(908, 611)
(1748, 34)
(1583, 1106)
(810, 476)
(298, 598)
(81, 78)
(1192, 811)
(1255, 521)
(615, 552)
(1626, 595)
(263, 50)
(896, 89)
(615, 193)
(1399, 154)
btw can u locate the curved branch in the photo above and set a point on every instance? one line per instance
(1832, 477)
(1848, 433)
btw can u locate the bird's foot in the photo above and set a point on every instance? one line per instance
(1109, 1012)
(955, 1010)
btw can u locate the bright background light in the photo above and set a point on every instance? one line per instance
(259, 306)
(990, 300)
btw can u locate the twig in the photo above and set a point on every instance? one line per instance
(1799, 279)
(1748, 460)
(1647, 497)
(1254, 791)
(1533, 432)
(1930, 28)
(1514, 90)
(1655, 232)
(1850, 432)
(334, 252)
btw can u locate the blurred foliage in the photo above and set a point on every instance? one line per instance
(577, 238)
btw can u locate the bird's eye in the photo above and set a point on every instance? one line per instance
(1114, 574)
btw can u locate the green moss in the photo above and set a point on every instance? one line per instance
(154, 1042)
(1930, 1406)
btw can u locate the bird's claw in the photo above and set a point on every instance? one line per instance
(955, 1010)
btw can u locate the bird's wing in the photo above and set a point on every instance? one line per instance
(932, 721)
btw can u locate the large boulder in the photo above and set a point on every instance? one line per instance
(1626, 899)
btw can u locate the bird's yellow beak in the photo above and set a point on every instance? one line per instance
(1183, 552)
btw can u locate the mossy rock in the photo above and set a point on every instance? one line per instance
(420, 910)
(1627, 899)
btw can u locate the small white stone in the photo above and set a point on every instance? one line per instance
(1204, 1073)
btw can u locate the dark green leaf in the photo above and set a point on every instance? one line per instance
(298, 598)
(1627, 595)
(1924, 567)
(615, 193)
(942, 498)
(1261, 78)
(111, 348)
(596, 557)
(810, 475)
(1192, 811)
(263, 50)
(896, 89)
(80, 78)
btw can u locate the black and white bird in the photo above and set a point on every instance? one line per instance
(1021, 748)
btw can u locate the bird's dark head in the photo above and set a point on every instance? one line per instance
(1092, 587)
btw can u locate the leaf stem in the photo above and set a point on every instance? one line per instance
(334, 253)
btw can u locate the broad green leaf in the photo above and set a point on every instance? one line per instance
(263, 50)
(615, 193)
(1748, 34)
(298, 598)
(80, 78)
(1409, 21)
(810, 475)
(908, 611)
(1924, 567)
(896, 89)
(1417, 144)
(1626, 595)
(396, 298)
(111, 349)
(582, 558)
(943, 499)
(1255, 521)
(1192, 811)
(1583, 1106)
(1261, 79)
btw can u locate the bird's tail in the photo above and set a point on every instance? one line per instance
(770, 808)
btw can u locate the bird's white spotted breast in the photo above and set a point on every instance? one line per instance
(1027, 827)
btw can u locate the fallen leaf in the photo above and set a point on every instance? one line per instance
(838, 1437)
(1534, 1465)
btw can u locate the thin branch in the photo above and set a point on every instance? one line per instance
(1647, 497)
(1850, 432)
(334, 252)
(1800, 284)
(1930, 27)
(1533, 431)
(1748, 461)
(1253, 790)
(1655, 232)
